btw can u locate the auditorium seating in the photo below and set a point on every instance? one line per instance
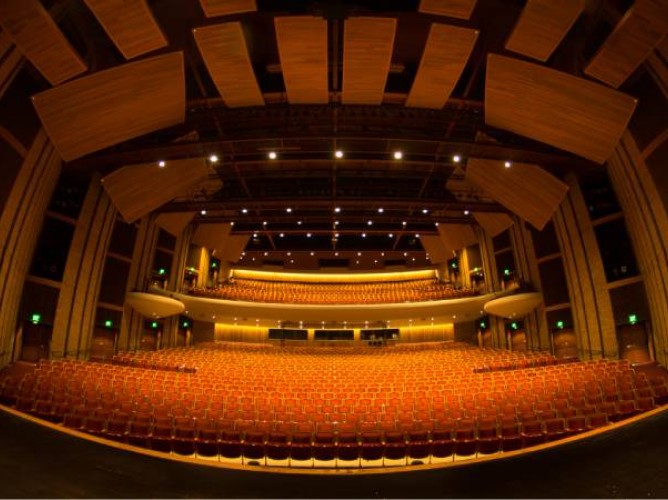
(334, 406)
(415, 290)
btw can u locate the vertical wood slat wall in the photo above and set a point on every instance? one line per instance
(77, 303)
(647, 224)
(142, 259)
(496, 324)
(20, 225)
(587, 286)
(179, 260)
(525, 256)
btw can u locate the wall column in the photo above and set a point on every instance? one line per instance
(142, 259)
(171, 324)
(496, 324)
(20, 225)
(535, 323)
(587, 285)
(647, 224)
(77, 302)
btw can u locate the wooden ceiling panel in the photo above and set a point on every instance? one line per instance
(137, 190)
(367, 51)
(434, 247)
(40, 40)
(225, 54)
(447, 50)
(302, 46)
(525, 189)
(174, 222)
(640, 30)
(542, 25)
(130, 24)
(456, 237)
(215, 8)
(235, 245)
(492, 223)
(460, 9)
(213, 236)
(111, 106)
(559, 109)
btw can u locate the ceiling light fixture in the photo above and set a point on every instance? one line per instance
(456, 158)
(162, 163)
(338, 153)
(507, 164)
(398, 155)
(213, 158)
(272, 155)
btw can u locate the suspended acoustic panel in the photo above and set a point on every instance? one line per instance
(213, 236)
(542, 25)
(137, 190)
(174, 222)
(302, 47)
(40, 40)
(223, 48)
(443, 60)
(514, 306)
(525, 189)
(367, 51)
(562, 110)
(215, 8)
(640, 30)
(434, 246)
(112, 106)
(130, 24)
(154, 306)
(456, 236)
(460, 9)
(492, 223)
(235, 245)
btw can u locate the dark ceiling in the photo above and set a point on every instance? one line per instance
(257, 192)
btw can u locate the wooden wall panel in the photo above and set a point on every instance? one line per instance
(223, 48)
(562, 110)
(302, 46)
(460, 9)
(39, 39)
(235, 245)
(10, 61)
(525, 189)
(213, 236)
(136, 190)
(443, 60)
(130, 24)
(215, 8)
(111, 106)
(367, 51)
(641, 29)
(492, 223)
(542, 25)
(433, 245)
(174, 222)
(456, 236)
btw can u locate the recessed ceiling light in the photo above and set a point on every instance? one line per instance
(203, 212)
(272, 155)
(232, 223)
(162, 163)
(466, 212)
(391, 235)
(281, 235)
(292, 261)
(425, 211)
(398, 155)
(405, 254)
(312, 254)
(254, 235)
(359, 254)
(382, 254)
(299, 223)
(507, 164)
(288, 210)
(289, 254)
(417, 235)
(337, 210)
(308, 235)
(436, 224)
(213, 158)
(264, 222)
(336, 254)
(336, 222)
(244, 210)
(381, 210)
(403, 223)
(363, 235)
(338, 153)
(369, 223)
(456, 158)
(266, 254)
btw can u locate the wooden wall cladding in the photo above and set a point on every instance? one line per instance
(215, 8)
(433, 245)
(130, 24)
(492, 223)
(114, 105)
(525, 189)
(456, 236)
(174, 222)
(460, 9)
(40, 40)
(136, 190)
(562, 110)
(367, 51)
(641, 29)
(447, 50)
(213, 236)
(223, 48)
(235, 245)
(10, 61)
(542, 25)
(302, 46)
